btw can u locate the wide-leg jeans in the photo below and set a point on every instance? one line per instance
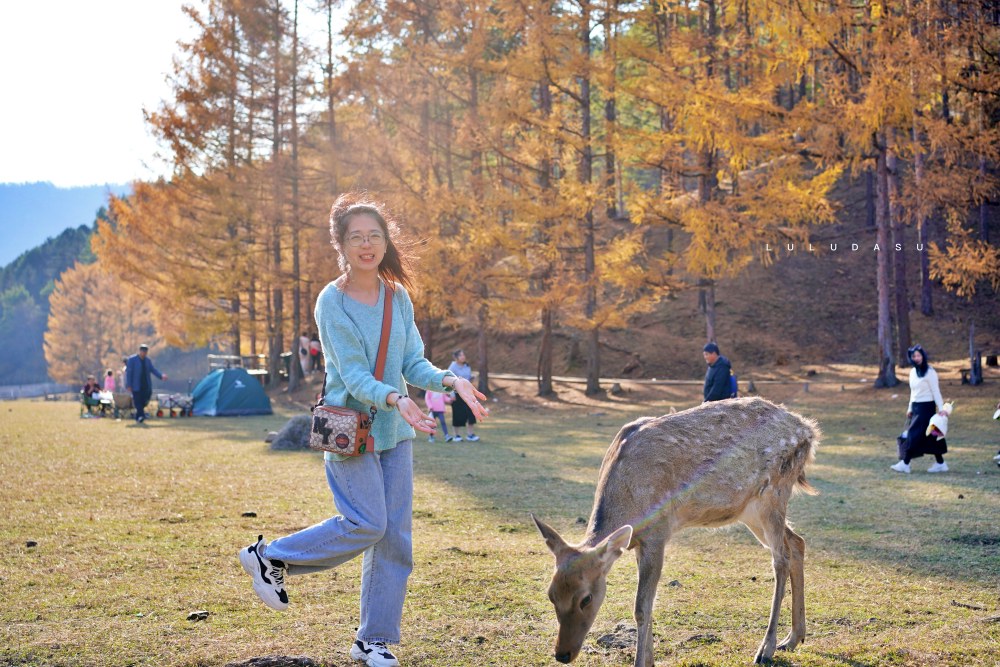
(374, 495)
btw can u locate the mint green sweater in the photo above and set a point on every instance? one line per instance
(349, 332)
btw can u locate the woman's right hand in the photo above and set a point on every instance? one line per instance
(909, 413)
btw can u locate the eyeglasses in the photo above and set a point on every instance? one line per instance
(375, 239)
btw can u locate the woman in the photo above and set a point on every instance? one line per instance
(461, 412)
(374, 491)
(925, 401)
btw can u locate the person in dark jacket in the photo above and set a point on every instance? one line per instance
(717, 378)
(138, 369)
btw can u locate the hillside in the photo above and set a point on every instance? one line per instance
(32, 212)
(805, 310)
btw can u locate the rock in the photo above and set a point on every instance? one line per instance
(276, 661)
(623, 636)
(31, 543)
(616, 389)
(675, 584)
(271, 436)
(249, 515)
(200, 615)
(294, 434)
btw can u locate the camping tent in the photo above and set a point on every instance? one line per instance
(230, 391)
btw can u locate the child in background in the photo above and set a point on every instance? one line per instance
(435, 404)
(109, 380)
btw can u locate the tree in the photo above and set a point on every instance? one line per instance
(95, 320)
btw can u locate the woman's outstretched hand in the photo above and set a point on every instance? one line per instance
(414, 416)
(472, 398)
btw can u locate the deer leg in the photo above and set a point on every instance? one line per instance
(768, 526)
(649, 555)
(796, 548)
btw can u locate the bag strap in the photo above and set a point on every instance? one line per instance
(383, 347)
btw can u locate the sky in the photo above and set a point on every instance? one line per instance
(75, 77)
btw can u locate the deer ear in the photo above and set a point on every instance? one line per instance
(614, 546)
(556, 544)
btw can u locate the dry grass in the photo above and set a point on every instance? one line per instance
(137, 527)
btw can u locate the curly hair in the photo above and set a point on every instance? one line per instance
(396, 266)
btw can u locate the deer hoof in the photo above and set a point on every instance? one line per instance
(764, 654)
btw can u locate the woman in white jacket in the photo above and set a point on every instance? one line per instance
(925, 402)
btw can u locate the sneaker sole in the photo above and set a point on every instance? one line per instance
(360, 656)
(251, 567)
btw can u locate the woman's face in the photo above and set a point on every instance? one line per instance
(364, 243)
(918, 358)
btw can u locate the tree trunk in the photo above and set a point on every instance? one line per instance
(902, 300)
(589, 230)
(296, 373)
(276, 324)
(923, 220)
(482, 344)
(331, 119)
(544, 372)
(887, 365)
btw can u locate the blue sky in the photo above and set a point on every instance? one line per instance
(76, 76)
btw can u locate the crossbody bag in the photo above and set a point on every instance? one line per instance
(343, 430)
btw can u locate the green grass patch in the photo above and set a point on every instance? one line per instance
(138, 527)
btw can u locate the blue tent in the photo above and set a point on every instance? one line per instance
(228, 392)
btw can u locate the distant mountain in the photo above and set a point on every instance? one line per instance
(30, 213)
(25, 285)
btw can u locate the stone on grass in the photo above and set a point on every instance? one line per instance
(294, 435)
(276, 661)
(623, 636)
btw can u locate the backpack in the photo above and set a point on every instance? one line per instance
(733, 386)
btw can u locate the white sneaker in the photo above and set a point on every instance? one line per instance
(938, 467)
(901, 467)
(373, 654)
(997, 458)
(268, 575)
(457, 438)
(472, 438)
(430, 438)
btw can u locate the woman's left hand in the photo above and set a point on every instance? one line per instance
(414, 416)
(472, 398)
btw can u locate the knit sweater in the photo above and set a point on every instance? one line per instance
(925, 389)
(349, 332)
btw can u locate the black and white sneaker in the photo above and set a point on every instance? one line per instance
(373, 654)
(268, 575)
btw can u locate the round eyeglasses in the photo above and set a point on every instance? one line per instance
(357, 240)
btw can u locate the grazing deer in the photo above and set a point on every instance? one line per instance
(718, 463)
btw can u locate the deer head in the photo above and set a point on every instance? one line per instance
(578, 584)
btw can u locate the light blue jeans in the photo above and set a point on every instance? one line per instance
(374, 495)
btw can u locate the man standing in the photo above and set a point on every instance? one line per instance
(138, 368)
(717, 385)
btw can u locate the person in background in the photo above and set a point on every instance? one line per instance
(304, 361)
(316, 353)
(461, 415)
(138, 369)
(90, 392)
(435, 401)
(925, 402)
(109, 380)
(717, 385)
(997, 457)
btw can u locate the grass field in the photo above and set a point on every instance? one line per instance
(138, 527)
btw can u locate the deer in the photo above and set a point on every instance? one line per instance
(736, 460)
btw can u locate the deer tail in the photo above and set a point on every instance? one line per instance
(806, 451)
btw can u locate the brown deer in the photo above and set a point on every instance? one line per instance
(718, 463)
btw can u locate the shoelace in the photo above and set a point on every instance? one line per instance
(277, 576)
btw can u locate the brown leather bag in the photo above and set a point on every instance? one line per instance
(342, 430)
